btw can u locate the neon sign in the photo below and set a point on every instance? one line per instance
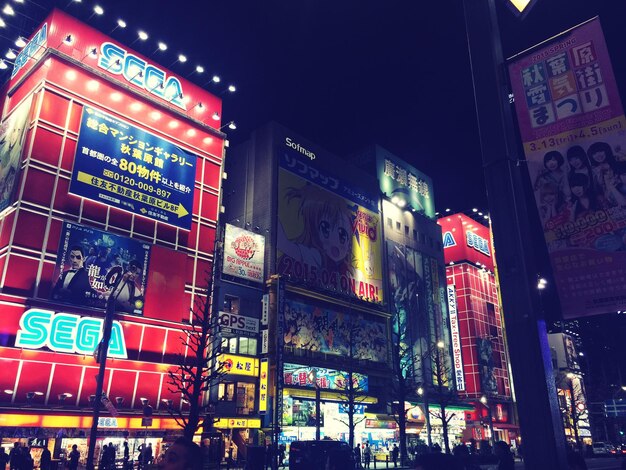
(448, 240)
(29, 51)
(137, 71)
(67, 333)
(478, 243)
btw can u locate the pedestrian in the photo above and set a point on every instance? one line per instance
(15, 457)
(357, 455)
(126, 456)
(73, 457)
(281, 455)
(505, 457)
(45, 460)
(27, 459)
(148, 460)
(4, 459)
(367, 455)
(394, 454)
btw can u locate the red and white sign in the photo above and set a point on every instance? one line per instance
(464, 239)
(456, 340)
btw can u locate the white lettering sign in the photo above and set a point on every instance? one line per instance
(456, 340)
(235, 323)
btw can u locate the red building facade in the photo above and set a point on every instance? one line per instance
(480, 356)
(60, 75)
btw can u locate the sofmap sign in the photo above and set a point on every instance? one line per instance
(67, 333)
(137, 71)
(123, 166)
(456, 340)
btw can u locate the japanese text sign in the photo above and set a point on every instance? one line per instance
(404, 184)
(263, 386)
(239, 365)
(457, 357)
(296, 375)
(123, 166)
(244, 254)
(89, 264)
(574, 134)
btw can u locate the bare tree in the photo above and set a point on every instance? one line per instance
(443, 392)
(572, 396)
(199, 370)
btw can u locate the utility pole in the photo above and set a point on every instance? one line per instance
(540, 421)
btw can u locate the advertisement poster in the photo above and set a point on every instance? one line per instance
(574, 133)
(12, 136)
(486, 366)
(328, 233)
(244, 254)
(327, 379)
(90, 263)
(301, 412)
(323, 330)
(123, 166)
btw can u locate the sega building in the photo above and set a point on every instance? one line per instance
(110, 166)
(480, 357)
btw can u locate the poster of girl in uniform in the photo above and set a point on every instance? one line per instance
(326, 240)
(12, 136)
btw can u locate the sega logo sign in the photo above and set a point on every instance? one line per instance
(39, 40)
(478, 243)
(118, 61)
(67, 333)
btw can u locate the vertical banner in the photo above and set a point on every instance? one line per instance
(488, 381)
(457, 357)
(12, 136)
(263, 381)
(573, 129)
(89, 264)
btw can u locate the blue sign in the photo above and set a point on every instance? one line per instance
(123, 166)
(67, 333)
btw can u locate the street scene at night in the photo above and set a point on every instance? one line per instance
(312, 235)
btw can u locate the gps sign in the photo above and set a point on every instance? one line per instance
(235, 323)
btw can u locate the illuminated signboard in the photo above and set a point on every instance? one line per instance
(67, 333)
(234, 423)
(123, 166)
(448, 240)
(39, 40)
(477, 242)
(239, 365)
(106, 422)
(234, 323)
(137, 71)
(327, 379)
(263, 384)
(404, 184)
(243, 254)
(456, 340)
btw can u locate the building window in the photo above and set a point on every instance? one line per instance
(231, 304)
(240, 345)
(226, 391)
(245, 398)
(406, 230)
(389, 222)
(415, 235)
(398, 226)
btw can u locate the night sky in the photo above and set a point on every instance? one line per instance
(344, 74)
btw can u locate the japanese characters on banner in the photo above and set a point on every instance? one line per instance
(574, 133)
(122, 166)
(326, 379)
(328, 231)
(244, 254)
(12, 136)
(404, 184)
(457, 357)
(263, 385)
(239, 365)
(319, 329)
(89, 264)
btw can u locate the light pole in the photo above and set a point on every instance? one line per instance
(102, 351)
(486, 404)
(423, 392)
(531, 363)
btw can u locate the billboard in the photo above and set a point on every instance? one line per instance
(239, 365)
(244, 254)
(457, 354)
(90, 262)
(404, 184)
(572, 126)
(327, 331)
(465, 239)
(301, 412)
(486, 366)
(328, 233)
(326, 379)
(12, 136)
(125, 167)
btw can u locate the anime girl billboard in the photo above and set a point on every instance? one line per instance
(327, 240)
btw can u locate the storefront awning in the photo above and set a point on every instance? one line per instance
(328, 396)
